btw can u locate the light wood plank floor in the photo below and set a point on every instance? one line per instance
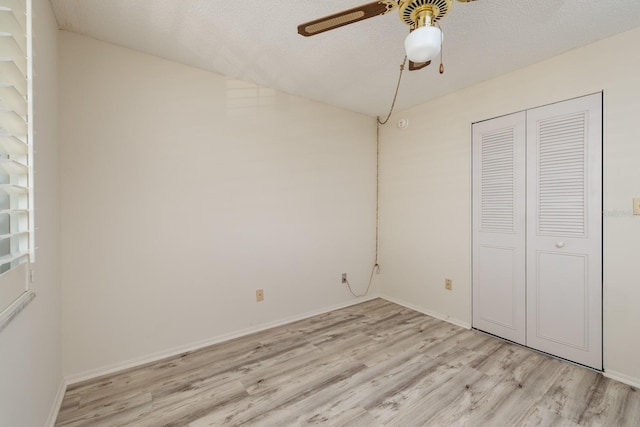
(372, 364)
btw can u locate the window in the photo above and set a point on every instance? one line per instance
(16, 196)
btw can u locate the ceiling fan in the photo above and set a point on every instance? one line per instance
(425, 37)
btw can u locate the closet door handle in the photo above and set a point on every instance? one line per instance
(560, 245)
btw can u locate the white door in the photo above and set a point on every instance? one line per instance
(564, 235)
(537, 228)
(499, 226)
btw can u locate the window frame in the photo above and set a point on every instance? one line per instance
(21, 271)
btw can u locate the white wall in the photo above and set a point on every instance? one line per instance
(30, 353)
(183, 192)
(426, 192)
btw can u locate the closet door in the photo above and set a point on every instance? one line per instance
(564, 237)
(499, 226)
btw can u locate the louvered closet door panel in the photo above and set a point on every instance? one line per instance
(564, 265)
(498, 227)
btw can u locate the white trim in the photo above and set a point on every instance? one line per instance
(623, 378)
(9, 313)
(435, 314)
(57, 403)
(30, 135)
(154, 357)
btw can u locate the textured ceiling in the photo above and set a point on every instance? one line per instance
(355, 67)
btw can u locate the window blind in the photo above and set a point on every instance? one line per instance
(15, 148)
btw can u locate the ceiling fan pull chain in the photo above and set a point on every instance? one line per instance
(395, 96)
(441, 47)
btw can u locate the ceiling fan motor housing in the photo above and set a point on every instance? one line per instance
(413, 12)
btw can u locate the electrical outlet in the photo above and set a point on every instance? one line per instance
(259, 295)
(448, 284)
(344, 277)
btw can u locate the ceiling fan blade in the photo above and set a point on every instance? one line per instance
(346, 17)
(418, 65)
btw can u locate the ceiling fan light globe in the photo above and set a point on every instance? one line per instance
(423, 44)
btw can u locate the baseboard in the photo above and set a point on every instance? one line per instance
(623, 378)
(422, 310)
(55, 408)
(154, 357)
